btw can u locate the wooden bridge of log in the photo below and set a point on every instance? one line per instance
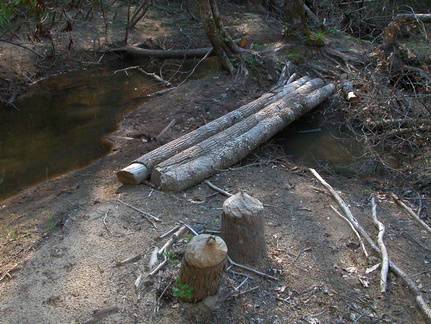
(221, 143)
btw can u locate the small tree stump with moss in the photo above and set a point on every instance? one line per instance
(243, 229)
(202, 268)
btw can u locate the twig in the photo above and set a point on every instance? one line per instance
(223, 192)
(22, 46)
(262, 274)
(354, 230)
(241, 284)
(171, 241)
(163, 132)
(189, 228)
(239, 293)
(149, 217)
(383, 250)
(170, 231)
(99, 314)
(129, 260)
(411, 212)
(106, 226)
(392, 266)
(161, 265)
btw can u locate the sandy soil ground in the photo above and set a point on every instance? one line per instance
(61, 240)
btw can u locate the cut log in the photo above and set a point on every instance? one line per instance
(243, 229)
(141, 168)
(220, 151)
(347, 88)
(425, 18)
(202, 268)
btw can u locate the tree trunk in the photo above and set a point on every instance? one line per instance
(224, 149)
(139, 13)
(202, 267)
(222, 43)
(142, 167)
(294, 16)
(243, 229)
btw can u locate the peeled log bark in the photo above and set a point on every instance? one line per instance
(202, 266)
(141, 168)
(233, 144)
(243, 229)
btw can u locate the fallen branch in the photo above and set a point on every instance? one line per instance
(425, 18)
(163, 132)
(223, 192)
(262, 274)
(99, 314)
(172, 240)
(392, 266)
(383, 251)
(410, 212)
(361, 241)
(170, 231)
(106, 226)
(348, 91)
(149, 217)
(129, 260)
(163, 54)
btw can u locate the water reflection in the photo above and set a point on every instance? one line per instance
(328, 147)
(61, 122)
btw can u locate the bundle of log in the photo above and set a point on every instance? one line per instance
(223, 142)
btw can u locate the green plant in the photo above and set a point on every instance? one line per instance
(172, 257)
(183, 291)
(188, 238)
(12, 234)
(316, 36)
(286, 30)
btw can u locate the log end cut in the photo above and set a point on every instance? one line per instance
(134, 174)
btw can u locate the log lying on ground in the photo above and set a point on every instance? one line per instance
(348, 91)
(141, 168)
(226, 148)
(164, 54)
(425, 18)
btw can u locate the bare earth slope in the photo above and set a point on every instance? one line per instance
(61, 240)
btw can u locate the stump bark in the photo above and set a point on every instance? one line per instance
(243, 229)
(202, 267)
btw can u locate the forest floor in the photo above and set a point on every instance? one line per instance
(62, 240)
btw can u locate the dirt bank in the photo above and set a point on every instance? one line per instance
(61, 240)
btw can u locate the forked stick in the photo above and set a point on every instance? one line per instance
(397, 270)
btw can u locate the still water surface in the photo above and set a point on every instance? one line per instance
(59, 123)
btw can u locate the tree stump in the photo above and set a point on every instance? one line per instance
(201, 268)
(243, 229)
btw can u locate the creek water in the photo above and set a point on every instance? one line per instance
(59, 123)
(327, 146)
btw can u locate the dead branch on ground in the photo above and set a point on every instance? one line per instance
(383, 250)
(410, 212)
(393, 267)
